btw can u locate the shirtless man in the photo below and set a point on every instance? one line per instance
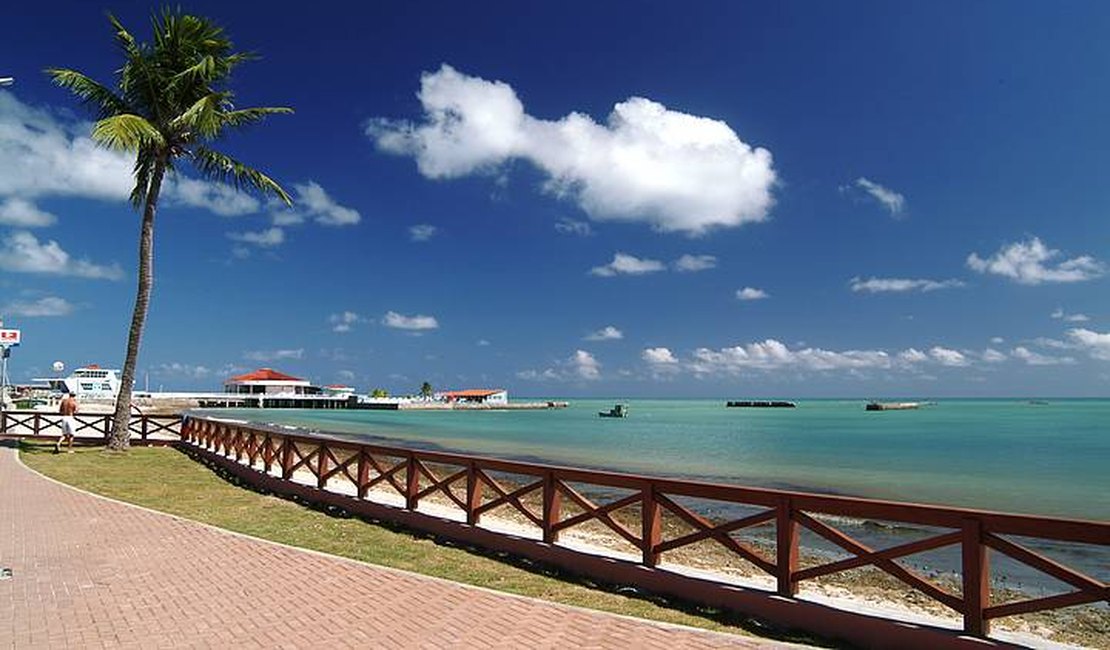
(68, 409)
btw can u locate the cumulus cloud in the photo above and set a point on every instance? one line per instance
(572, 227)
(624, 264)
(24, 214)
(880, 285)
(1036, 359)
(312, 202)
(217, 198)
(274, 355)
(1026, 263)
(183, 370)
(269, 238)
(695, 263)
(997, 340)
(416, 323)
(422, 232)
(751, 293)
(990, 355)
(22, 252)
(607, 333)
(1095, 343)
(948, 357)
(659, 356)
(911, 356)
(580, 365)
(45, 306)
(1059, 314)
(344, 322)
(675, 171)
(772, 355)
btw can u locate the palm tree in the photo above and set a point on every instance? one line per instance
(426, 390)
(169, 103)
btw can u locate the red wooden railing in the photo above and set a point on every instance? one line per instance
(34, 424)
(473, 486)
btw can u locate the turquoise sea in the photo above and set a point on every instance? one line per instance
(1004, 454)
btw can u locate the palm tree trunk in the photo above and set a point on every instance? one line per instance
(120, 437)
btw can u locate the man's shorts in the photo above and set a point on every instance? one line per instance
(69, 426)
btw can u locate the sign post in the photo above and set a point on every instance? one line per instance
(8, 339)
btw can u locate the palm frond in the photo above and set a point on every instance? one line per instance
(203, 118)
(226, 169)
(127, 132)
(91, 92)
(247, 116)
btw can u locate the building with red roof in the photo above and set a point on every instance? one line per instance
(476, 395)
(267, 381)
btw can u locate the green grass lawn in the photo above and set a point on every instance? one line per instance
(167, 480)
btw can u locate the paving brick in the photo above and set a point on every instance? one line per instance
(89, 572)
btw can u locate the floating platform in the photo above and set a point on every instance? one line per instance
(761, 404)
(892, 406)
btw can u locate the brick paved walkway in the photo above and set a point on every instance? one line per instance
(92, 573)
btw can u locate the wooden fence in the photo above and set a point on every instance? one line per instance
(476, 485)
(149, 429)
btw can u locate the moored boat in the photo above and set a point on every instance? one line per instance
(892, 406)
(618, 411)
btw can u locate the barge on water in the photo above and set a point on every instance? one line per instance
(892, 406)
(761, 404)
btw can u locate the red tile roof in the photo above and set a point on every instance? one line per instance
(264, 374)
(473, 392)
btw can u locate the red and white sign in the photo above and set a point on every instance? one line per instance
(9, 337)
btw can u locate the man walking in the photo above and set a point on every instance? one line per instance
(68, 409)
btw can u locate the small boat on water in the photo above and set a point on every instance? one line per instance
(618, 411)
(892, 406)
(764, 404)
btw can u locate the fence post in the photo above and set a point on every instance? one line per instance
(651, 516)
(3, 421)
(145, 425)
(363, 473)
(321, 466)
(473, 494)
(286, 458)
(412, 482)
(552, 508)
(976, 579)
(35, 426)
(787, 548)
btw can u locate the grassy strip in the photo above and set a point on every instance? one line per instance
(169, 481)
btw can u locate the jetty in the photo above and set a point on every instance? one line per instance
(761, 404)
(892, 406)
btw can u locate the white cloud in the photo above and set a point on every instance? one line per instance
(751, 293)
(1024, 262)
(412, 323)
(274, 355)
(21, 252)
(888, 198)
(311, 201)
(659, 356)
(343, 322)
(572, 227)
(45, 306)
(1059, 314)
(607, 333)
(678, 172)
(990, 355)
(24, 214)
(948, 357)
(772, 355)
(269, 238)
(422, 232)
(1037, 359)
(580, 365)
(185, 370)
(345, 375)
(695, 263)
(878, 285)
(483, 343)
(1096, 344)
(585, 365)
(911, 356)
(997, 340)
(624, 264)
(217, 198)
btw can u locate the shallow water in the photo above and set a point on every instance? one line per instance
(1006, 455)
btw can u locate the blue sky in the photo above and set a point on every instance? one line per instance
(613, 199)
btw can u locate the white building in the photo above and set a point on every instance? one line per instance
(267, 381)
